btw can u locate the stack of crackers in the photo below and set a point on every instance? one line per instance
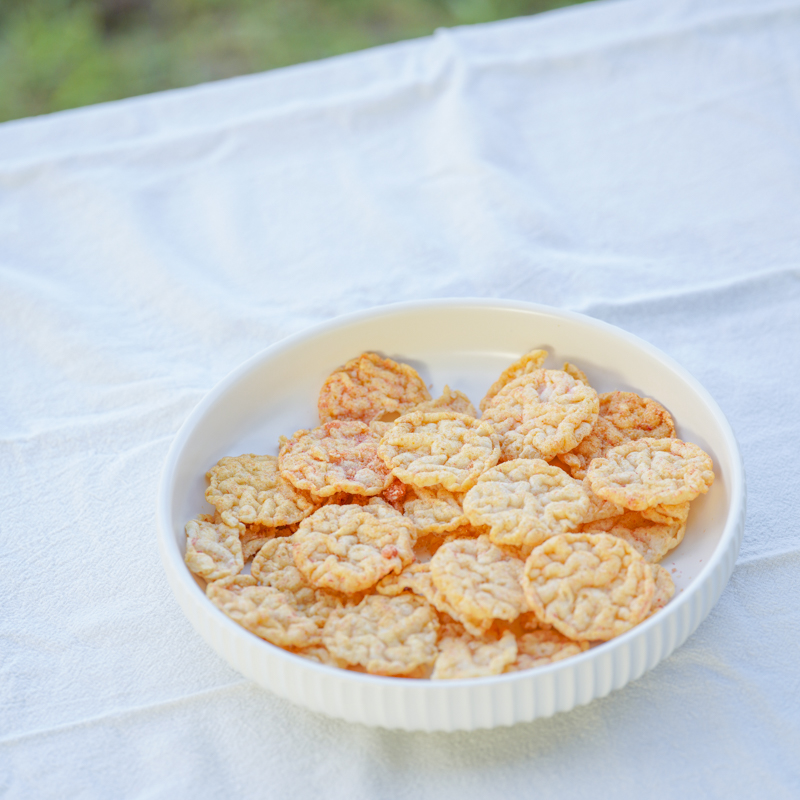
(416, 537)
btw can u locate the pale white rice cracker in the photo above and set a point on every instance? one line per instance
(479, 579)
(368, 387)
(250, 489)
(434, 510)
(652, 539)
(274, 566)
(385, 635)
(350, 548)
(665, 588)
(254, 537)
(589, 586)
(286, 619)
(416, 579)
(450, 400)
(527, 363)
(623, 417)
(213, 550)
(439, 448)
(462, 655)
(544, 646)
(650, 472)
(335, 457)
(526, 500)
(541, 414)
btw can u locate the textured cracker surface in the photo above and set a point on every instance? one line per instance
(441, 448)
(652, 539)
(385, 635)
(529, 362)
(450, 400)
(287, 619)
(650, 472)
(250, 489)
(368, 387)
(350, 548)
(213, 550)
(335, 457)
(541, 414)
(434, 510)
(588, 586)
(274, 566)
(462, 655)
(526, 500)
(478, 579)
(540, 647)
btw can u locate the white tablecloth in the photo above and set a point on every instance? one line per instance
(635, 161)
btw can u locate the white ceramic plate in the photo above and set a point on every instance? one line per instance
(466, 344)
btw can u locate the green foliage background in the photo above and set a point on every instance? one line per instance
(58, 54)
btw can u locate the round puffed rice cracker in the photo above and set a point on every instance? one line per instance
(541, 414)
(637, 417)
(350, 548)
(526, 500)
(462, 655)
(286, 619)
(624, 417)
(652, 539)
(368, 387)
(543, 646)
(434, 510)
(385, 635)
(529, 362)
(450, 400)
(213, 550)
(439, 448)
(480, 580)
(250, 489)
(589, 586)
(335, 457)
(417, 579)
(665, 588)
(651, 472)
(274, 566)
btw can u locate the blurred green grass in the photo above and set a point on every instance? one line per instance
(59, 54)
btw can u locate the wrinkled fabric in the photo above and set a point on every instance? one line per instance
(635, 161)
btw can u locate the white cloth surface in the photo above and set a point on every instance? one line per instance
(635, 161)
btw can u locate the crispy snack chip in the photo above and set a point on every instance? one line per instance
(526, 500)
(529, 362)
(368, 387)
(541, 414)
(385, 635)
(450, 400)
(434, 510)
(213, 550)
(651, 472)
(417, 579)
(462, 655)
(251, 490)
(335, 457)
(589, 586)
(287, 619)
(439, 448)
(478, 579)
(543, 646)
(350, 548)
(274, 566)
(653, 539)
(623, 417)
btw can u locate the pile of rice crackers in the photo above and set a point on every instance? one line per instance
(414, 537)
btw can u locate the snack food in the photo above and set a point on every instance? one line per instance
(390, 540)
